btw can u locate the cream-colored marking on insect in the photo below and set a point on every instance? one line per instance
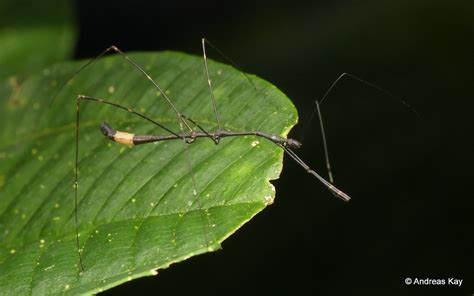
(123, 138)
(111, 89)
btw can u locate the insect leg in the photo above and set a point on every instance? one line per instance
(204, 41)
(317, 110)
(209, 83)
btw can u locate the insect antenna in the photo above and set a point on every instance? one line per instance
(285, 144)
(317, 111)
(375, 86)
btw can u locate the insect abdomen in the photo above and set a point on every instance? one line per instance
(116, 136)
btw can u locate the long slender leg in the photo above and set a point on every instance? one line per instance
(212, 137)
(337, 192)
(205, 41)
(76, 186)
(293, 155)
(209, 83)
(90, 62)
(76, 170)
(323, 135)
(181, 119)
(130, 110)
(317, 111)
(115, 49)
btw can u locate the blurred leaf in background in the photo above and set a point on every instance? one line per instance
(34, 34)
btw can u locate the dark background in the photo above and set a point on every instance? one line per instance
(409, 177)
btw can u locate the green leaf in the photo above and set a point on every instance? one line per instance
(137, 211)
(34, 34)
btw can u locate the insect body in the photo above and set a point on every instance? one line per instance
(190, 131)
(132, 139)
